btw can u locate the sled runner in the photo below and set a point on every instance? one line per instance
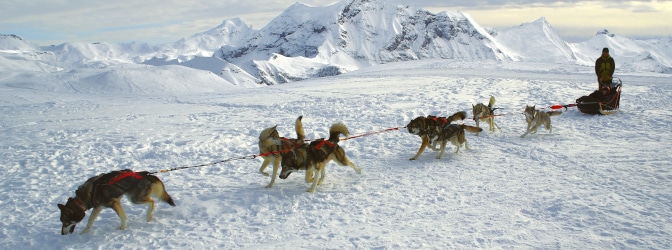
(604, 101)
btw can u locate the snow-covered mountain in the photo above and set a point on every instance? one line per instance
(537, 42)
(346, 36)
(14, 42)
(306, 42)
(203, 44)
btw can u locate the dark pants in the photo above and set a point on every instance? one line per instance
(603, 82)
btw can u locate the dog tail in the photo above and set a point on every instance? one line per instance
(554, 113)
(159, 190)
(457, 116)
(337, 129)
(471, 129)
(298, 126)
(492, 102)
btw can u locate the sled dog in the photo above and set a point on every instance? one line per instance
(105, 191)
(535, 118)
(279, 150)
(486, 114)
(319, 153)
(431, 130)
(455, 134)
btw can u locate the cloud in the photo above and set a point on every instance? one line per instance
(630, 5)
(124, 20)
(156, 21)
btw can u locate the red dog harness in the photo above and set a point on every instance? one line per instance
(319, 145)
(123, 175)
(442, 120)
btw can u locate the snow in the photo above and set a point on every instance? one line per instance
(75, 110)
(596, 182)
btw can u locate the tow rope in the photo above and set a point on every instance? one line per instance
(372, 133)
(250, 157)
(559, 106)
(554, 107)
(207, 164)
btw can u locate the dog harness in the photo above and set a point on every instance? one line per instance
(442, 120)
(319, 145)
(124, 175)
(285, 149)
(293, 142)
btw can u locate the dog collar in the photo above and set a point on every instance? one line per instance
(80, 203)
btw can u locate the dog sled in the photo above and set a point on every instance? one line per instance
(603, 101)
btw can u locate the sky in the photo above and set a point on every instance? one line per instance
(158, 22)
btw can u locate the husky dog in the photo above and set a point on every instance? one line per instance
(535, 118)
(485, 113)
(280, 150)
(455, 134)
(106, 190)
(431, 130)
(319, 153)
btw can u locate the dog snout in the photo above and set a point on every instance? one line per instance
(68, 229)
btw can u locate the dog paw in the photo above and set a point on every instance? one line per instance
(265, 174)
(269, 186)
(121, 227)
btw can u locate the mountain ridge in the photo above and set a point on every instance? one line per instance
(305, 42)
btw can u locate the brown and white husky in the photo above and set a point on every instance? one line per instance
(105, 191)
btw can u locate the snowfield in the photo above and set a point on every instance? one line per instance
(596, 182)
